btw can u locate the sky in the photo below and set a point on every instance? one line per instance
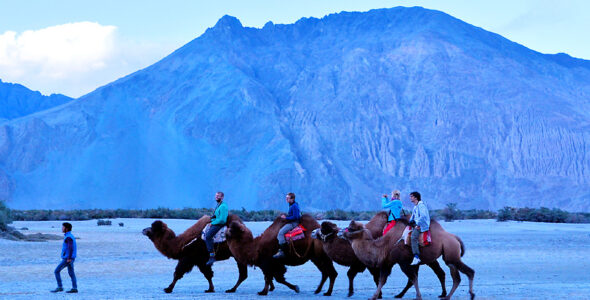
(75, 46)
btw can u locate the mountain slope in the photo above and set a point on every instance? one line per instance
(338, 110)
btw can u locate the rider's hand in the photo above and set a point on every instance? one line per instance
(283, 216)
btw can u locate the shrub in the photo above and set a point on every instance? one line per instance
(102, 222)
(5, 216)
(451, 212)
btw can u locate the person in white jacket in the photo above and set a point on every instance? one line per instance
(420, 220)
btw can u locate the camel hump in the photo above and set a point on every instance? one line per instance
(309, 222)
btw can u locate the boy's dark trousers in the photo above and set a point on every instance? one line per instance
(64, 263)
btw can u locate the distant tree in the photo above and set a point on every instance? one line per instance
(451, 212)
(5, 216)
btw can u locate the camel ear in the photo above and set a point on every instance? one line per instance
(157, 226)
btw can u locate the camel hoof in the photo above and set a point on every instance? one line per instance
(209, 291)
(231, 291)
(296, 289)
(327, 294)
(443, 296)
(272, 288)
(472, 295)
(350, 294)
(317, 291)
(262, 293)
(398, 296)
(167, 290)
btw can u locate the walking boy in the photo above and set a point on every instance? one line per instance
(68, 255)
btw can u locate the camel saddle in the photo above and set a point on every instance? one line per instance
(219, 237)
(424, 238)
(296, 233)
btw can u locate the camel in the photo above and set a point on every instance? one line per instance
(341, 252)
(385, 252)
(259, 252)
(189, 249)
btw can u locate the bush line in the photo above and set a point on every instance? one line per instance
(449, 213)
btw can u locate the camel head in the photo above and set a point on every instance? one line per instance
(157, 231)
(327, 231)
(355, 230)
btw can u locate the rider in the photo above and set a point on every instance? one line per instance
(218, 220)
(420, 220)
(395, 208)
(293, 218)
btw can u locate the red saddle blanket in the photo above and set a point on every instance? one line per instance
(296, 233)
(424, 238)
(388, 227)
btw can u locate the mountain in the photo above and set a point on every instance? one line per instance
(17, 101)
(338, 110)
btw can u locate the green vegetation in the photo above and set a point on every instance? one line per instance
(449, 213)
(5, 216)
(542, 214)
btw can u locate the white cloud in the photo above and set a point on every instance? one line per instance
(74, 58)
(46, 58)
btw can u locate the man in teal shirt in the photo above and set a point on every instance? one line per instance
(217, 222)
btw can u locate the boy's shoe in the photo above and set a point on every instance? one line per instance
(416, 261)
(57, 290)
(72, 291)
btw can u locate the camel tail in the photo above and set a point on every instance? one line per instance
(462, 245)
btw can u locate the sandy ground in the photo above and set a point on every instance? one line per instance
(511, 260)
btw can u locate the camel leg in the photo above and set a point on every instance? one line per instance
(435, 266)
(278, 271)
(321, 285)
(470, 274)
(183, 266)
(267, 281)
(280, 278)
(326, 267)
(456, 279)
(375, 273)
(354, 269)
(208, 272)
(383, 274)
(272, 286)
(412, 273)
(243, 271)
(409, 284)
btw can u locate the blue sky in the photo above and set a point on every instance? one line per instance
(73, 47)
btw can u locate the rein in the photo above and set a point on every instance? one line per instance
(306, 250)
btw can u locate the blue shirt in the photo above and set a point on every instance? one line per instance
(421, 216)
(395, 208)
(294, 214)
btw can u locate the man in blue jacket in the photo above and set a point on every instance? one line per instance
(217, 222)
(68, 255)
(420, 220)
(293, 218)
